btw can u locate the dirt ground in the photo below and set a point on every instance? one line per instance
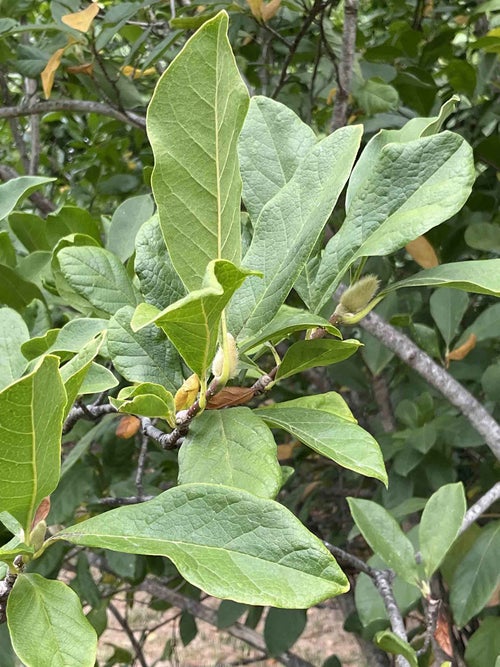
(322, 638)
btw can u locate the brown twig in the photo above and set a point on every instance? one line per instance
(311, 15)
(345, 68)
(128, 631)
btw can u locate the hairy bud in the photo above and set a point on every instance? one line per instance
(357, 300)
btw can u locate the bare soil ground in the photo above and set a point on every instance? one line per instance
(323, 637)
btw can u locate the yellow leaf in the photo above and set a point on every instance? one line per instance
(49, 72)
(462, 351)
(136, 73)
(269, 10)
(256, 8)
(422, 252)
(331, 96)
(186, 395)
(81, 21)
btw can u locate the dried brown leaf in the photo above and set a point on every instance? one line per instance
(82, 20)
(128, 426)
(462, 351)
(229, 397)
(422, 252)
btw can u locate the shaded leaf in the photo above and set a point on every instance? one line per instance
(13, 333)
(306, 354)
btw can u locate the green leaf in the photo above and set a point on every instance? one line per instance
(59, 634)
(413, 129)
(385, 537)
(187, 628)
(223, 540)
(99, 277)
(481, 276)
(14, 190)
(192, 324)
(306, 354)
(74, 372)
(282, 629)
(410, 189)
(16, 292)
(234, 448)
(30, 230)
(7, 251)
(447, 309)
(391, 643)
(71, 220)
(98, 379)
(289, 226)
(77, 333)
(477, 576)
(440, 525)
(13, 333)
(125, 224)
(30, 430)
(194, 120)
(142, 356)
(483, 648)
(229, 612)
(148, 400)
(62, 286)
(325, 424)
(159, 281)
(483, 236)
(485, 326)
(369, 603)
(272, 143)
(376, 96)
(39, 345)
(286, 321)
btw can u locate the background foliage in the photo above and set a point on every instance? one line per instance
(89, 83)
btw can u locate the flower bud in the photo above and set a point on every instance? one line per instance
(225, 363)
(357, 300)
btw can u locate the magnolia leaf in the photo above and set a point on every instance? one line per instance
(83, 19)
(142, 356)
(440, 525)
(13, 333)
(222, 540)
(192, 324)
(74, 371)
(30, 430)
(461, 351)
(325, 424)
(125, 224)
(288, 227)
(405, 194)
(231, 447)
(160, 284)
(229, 397)
(306, 354)
(481, 276)
(194, 120)
(447, 308)
(147, 399)
(54, 615)
(286, 321)
(98, 275)
(14, 190)
(272, 143)
(385, 537)
(477, 575)
(391, 643)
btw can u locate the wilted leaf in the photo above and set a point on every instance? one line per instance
(229, 397)
(187, 393)
(128, 426)
(50, 70)
(463, 350)
(82, 20)
(270, 9)
(422, 252)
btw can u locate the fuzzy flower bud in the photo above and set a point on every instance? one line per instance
(357, 300)
(225, 363)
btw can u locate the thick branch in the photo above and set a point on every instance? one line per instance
(201, 611)
(345, 68)
(86, 412)
(437, 376)
(480, 506)
(78, 106)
